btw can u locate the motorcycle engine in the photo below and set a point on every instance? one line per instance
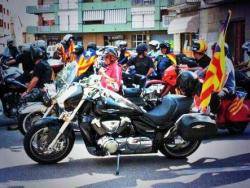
(113, 138)
(128, 145)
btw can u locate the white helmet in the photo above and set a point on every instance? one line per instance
(121, 43)
(154, 43)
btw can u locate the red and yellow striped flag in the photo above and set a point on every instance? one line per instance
(215, 75)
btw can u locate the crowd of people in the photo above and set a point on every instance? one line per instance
(150, 60)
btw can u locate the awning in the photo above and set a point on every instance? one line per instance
(184, 25)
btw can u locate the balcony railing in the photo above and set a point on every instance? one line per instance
(142, 2)
(180, 2)
(42, 8)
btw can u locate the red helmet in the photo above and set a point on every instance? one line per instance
(170, 75)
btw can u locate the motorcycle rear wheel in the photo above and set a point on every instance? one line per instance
(38, 139)
(180, 150)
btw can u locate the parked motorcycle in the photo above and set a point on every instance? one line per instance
(30, 112)
(10, 88)
(231, 111)
(109, 124)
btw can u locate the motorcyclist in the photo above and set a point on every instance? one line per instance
(245, 67)
(111, 72)
(85, 60)
(124, 54)
(65, 48)
(142, 63)
(165, 59)
(11, 52)
(154, 46)
(42, 72)
(199, 48)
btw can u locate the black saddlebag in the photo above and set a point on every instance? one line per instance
(196, 126)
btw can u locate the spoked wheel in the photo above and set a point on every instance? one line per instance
(26, 121)
(237, 128)
(178, 148)
(37, 140)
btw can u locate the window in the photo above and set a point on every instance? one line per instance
(8, 26)
(143, 2)
(115, 16)
(138, 39)
(87, 1)
(111, 39)
(93, 17)
(4, 10)
(1, 23)
(143, 21)
(1, 8)
(143, 17)
(4, 25)
(107, 0)
(7, 12)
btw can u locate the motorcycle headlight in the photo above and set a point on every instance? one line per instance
(47, 100)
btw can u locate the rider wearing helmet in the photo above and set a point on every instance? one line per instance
(92, 46)
(66, 48)
(85, 61)
(165, 59)
(188, 83)
(142, 62)
(199, 49)
(111, 72)
(124, 54)
(154, 46)
(11, 52)
(42, 70)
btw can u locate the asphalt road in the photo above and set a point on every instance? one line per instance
(222, 162)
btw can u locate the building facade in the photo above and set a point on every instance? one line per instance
(102, 21)
(6, 28)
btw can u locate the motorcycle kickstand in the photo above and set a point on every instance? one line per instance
(117, 172)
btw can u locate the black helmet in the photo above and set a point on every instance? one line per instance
(91, 45)
(165, 44)
(40, 44)
(10, 42)
(78, 49)
(36, 53)
(246, 47)
(110, 51)
(141, 48)
(187, 83)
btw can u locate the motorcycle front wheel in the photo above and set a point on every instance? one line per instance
(26, 121)
(178, 148)
(38, 138)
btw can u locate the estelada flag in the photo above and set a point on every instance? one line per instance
(215, 75)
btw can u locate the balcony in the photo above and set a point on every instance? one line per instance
(143, 2)
(218, 1)
(42, 29)
(183, 4)
(50, 29)
(48, 8)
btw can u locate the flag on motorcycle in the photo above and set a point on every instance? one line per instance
(215, 75)
(86, 60)
(237, 103)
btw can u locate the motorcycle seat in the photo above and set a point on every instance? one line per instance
(15, 83)
(131, 92)
(172, 107)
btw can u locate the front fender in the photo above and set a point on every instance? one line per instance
(49, 121)
(32, 107)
